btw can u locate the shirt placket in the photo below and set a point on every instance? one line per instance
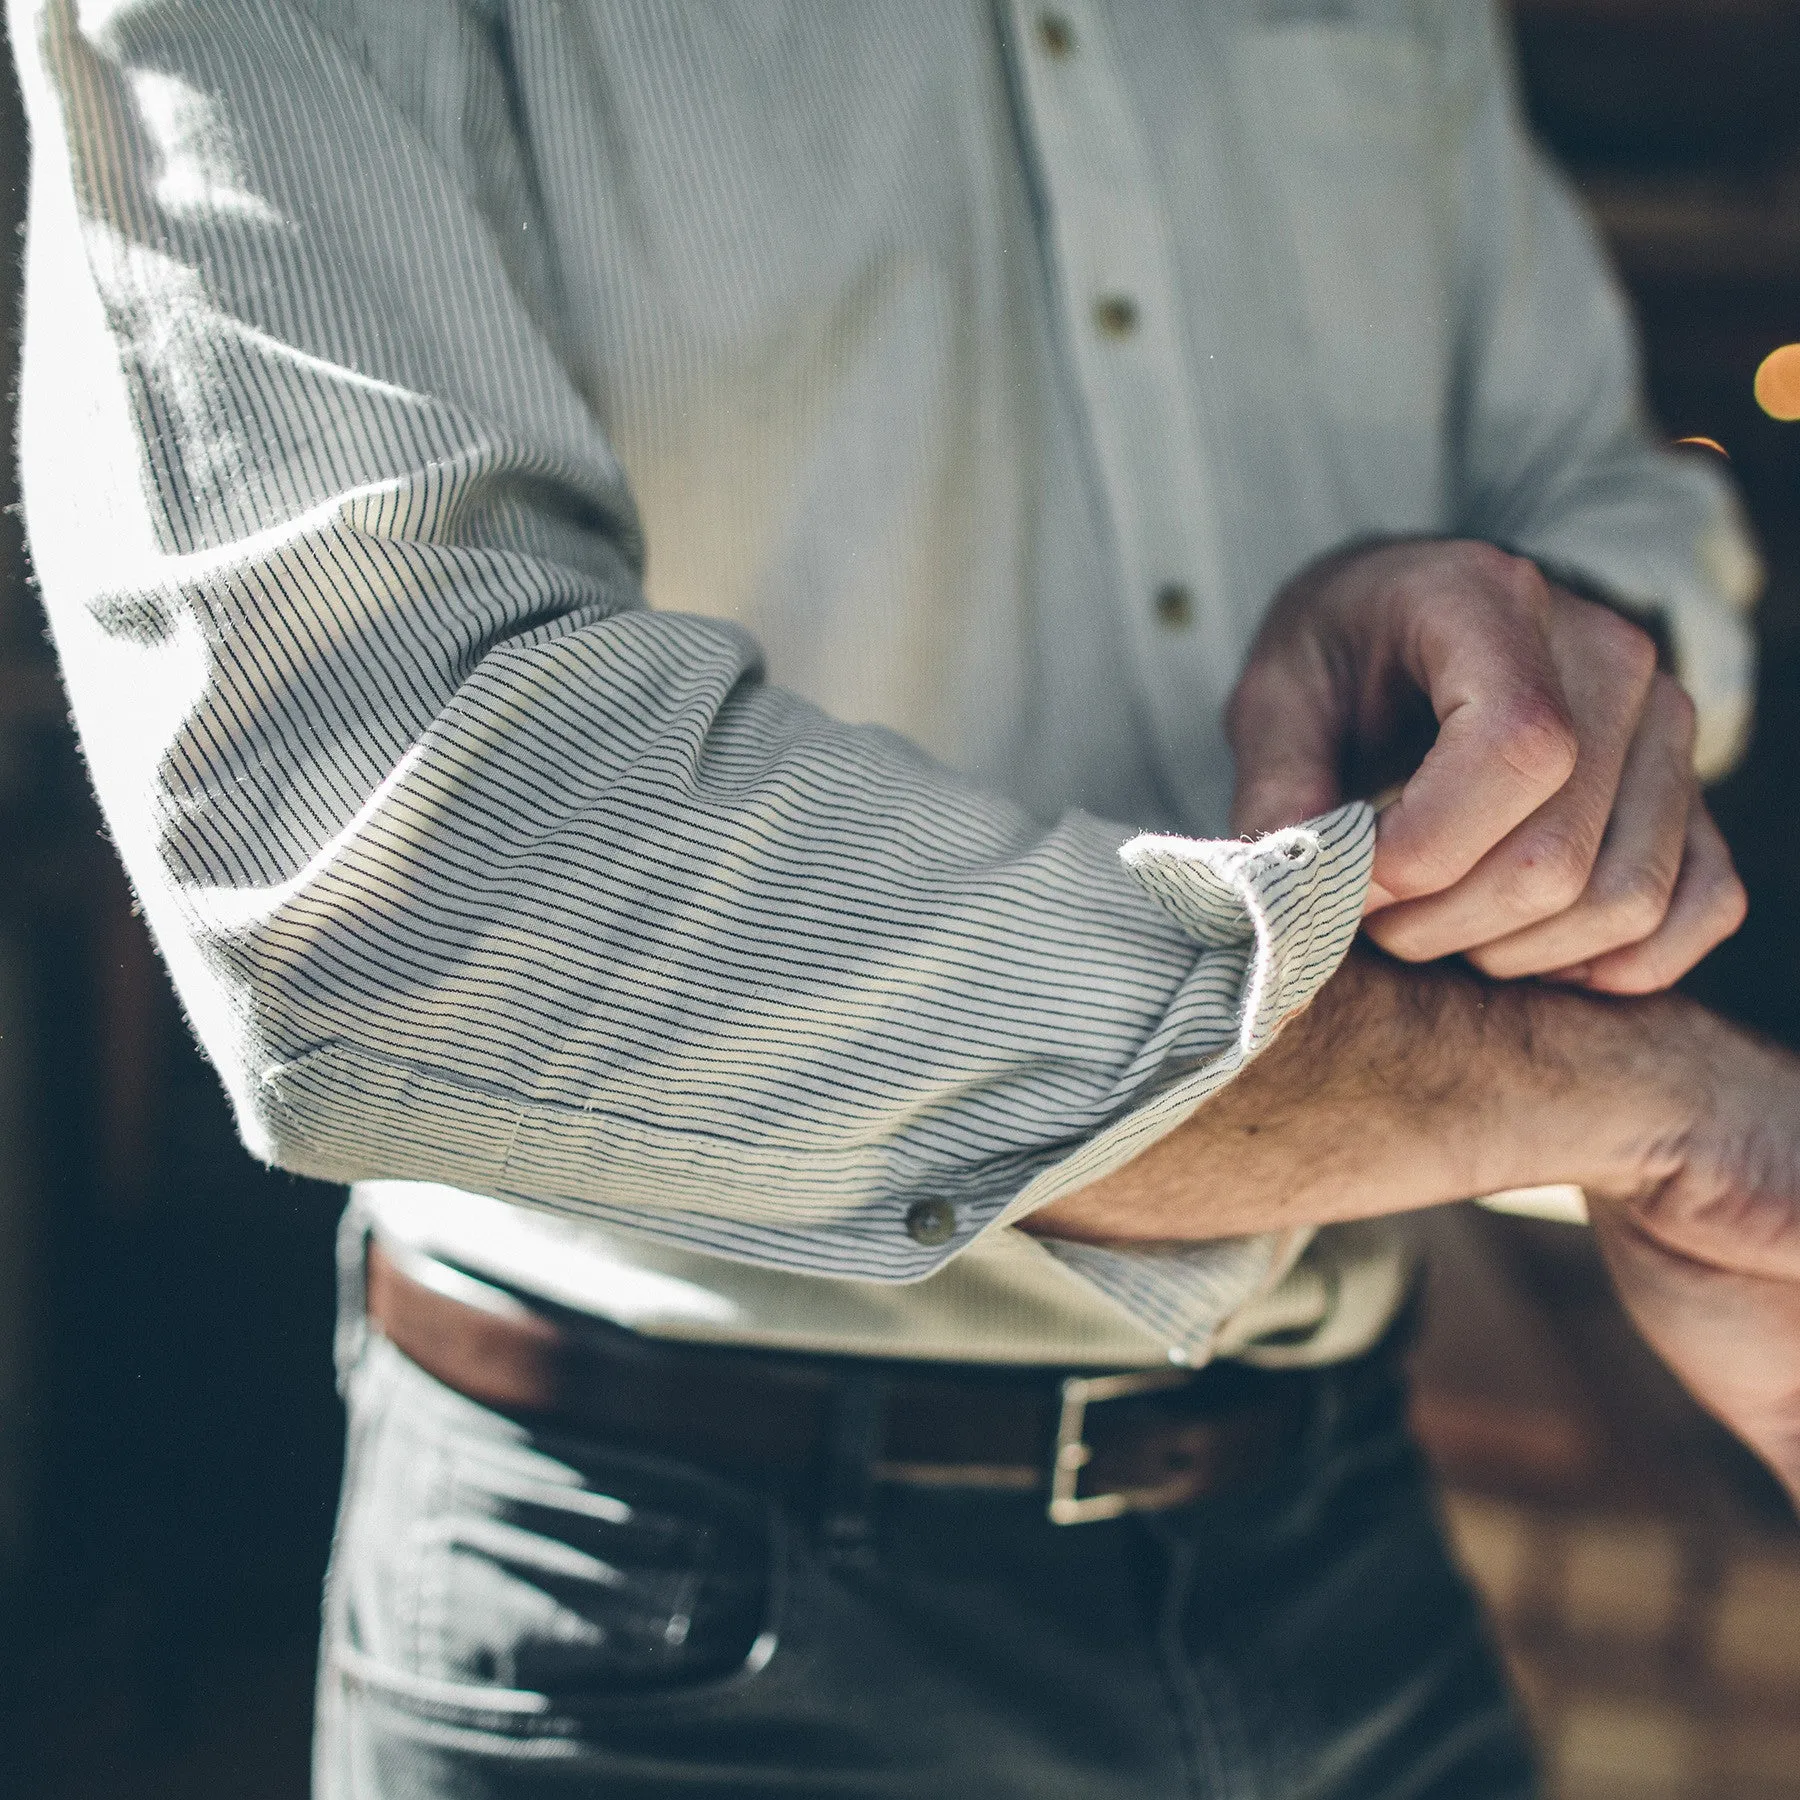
(1119, 315)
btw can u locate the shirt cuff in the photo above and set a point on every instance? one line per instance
(1291, 902)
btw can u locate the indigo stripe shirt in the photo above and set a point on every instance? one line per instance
(649, 589)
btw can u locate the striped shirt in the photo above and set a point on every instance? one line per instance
(649, 589)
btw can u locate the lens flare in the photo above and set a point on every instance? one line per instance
(1778, 383)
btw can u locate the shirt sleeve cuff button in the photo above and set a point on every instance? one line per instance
(1286, 852)
(931, 1222)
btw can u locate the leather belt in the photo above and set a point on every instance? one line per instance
(1095, 1445)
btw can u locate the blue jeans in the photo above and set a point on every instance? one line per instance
(517, 1611)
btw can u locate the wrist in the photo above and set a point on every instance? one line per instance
(1619, 1085)
(1486, 1086)
(1405, 1087)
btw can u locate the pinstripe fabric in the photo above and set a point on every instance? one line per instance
(483, 849)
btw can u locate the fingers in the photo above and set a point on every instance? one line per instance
(1543, 868)
(1286, 727)
(1552, 826)
(1479, 647)
(1628, 892)
(1708, 905)
(1346, 655)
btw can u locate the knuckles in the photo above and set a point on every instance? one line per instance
(1550, 872)
(1518, 577)
(1651, 966)
(1536, 739)
(1729, 907)
(1676, 712)
(1456, 569)
(1636, 901)
(1624, 650)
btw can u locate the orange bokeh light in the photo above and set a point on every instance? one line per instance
(1778, 383)
(1705, 443)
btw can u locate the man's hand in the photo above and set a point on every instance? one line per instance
(1550, 822)
(1401, 1088)
(1704, 1244)
(1732, 1336)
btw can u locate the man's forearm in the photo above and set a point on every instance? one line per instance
(1402, 1087)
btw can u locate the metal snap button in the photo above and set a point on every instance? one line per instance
(931, 1222)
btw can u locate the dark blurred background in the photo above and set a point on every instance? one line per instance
(169, 1438)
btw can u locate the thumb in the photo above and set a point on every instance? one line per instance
(1287, 733)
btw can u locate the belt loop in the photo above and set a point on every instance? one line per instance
(858, 1427)
(352, 1332)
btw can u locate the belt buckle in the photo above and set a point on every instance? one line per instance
(1068, 1505)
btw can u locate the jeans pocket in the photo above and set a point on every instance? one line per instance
(516, 1574)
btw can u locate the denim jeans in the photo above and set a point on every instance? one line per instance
(517, 1611)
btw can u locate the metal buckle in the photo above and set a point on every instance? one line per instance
(1072, 1453)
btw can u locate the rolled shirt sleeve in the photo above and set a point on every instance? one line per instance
(468, 867)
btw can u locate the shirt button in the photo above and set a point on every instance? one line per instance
(1174, 606)
(1055, 34)
(931, 1222)
(1115, 316)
